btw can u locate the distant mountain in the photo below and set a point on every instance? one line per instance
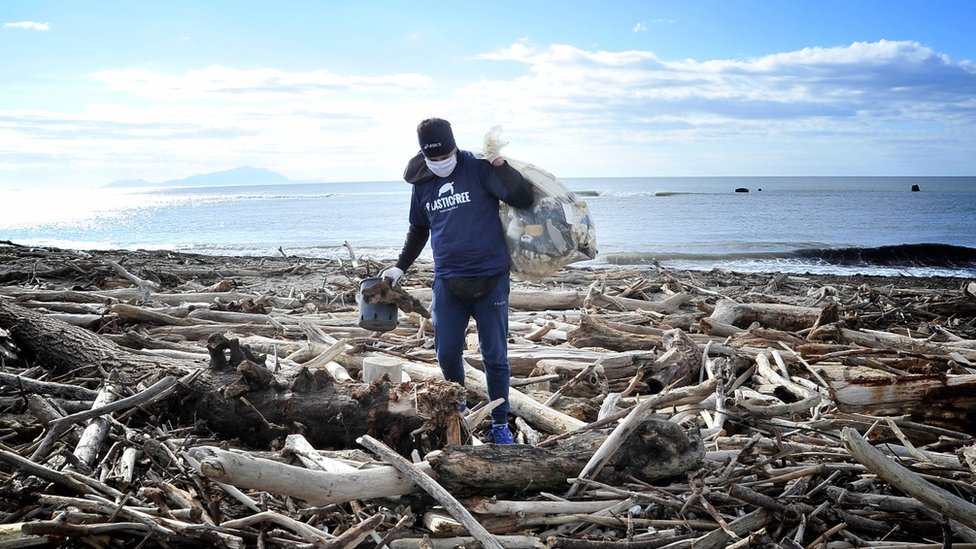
(244, 175)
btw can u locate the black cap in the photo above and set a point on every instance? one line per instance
(436, 137)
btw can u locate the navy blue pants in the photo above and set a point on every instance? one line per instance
(450, 315)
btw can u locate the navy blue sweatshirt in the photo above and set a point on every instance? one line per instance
(459, 213)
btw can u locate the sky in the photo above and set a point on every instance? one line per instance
(97, 91)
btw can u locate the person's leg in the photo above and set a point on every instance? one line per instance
(491, 315)
(450, 318)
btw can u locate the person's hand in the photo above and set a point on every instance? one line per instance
(492, 151)
(394, 274)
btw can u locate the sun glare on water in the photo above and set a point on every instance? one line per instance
(23, 209)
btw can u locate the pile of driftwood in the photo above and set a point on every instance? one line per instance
(164, 399)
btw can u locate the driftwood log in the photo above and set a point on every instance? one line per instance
(165, 399)
(658, 449)
(383, 292)
(255, 409)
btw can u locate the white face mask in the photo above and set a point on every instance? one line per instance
(442, 168)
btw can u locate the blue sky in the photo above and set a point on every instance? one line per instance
(96, 91)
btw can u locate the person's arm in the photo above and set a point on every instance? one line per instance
(518, 190)
(412, 246)
(417, 234)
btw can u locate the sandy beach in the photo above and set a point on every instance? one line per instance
(820, 392)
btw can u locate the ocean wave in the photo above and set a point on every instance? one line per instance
(285, 192)
(650, 194)
(924, 255)
(186, 195)
(910, 255)
(632, 194)
(925, 259)
(316, 251)
(69, 244)
(634, 258)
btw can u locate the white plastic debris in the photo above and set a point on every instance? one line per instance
(556, 231)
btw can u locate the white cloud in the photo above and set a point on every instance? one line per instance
(808, 82)
(31, 25)
(862, 93)
(639, 27)
(521, 50)
(230, 84)
(575, 112)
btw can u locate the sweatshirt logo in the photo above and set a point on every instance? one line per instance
(447, 199)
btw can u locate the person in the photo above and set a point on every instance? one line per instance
(454, 204)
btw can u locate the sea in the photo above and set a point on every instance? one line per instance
(909, 226)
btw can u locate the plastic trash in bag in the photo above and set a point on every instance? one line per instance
(556, 231)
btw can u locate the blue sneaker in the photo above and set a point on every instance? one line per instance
(463, 407)
(500, 434)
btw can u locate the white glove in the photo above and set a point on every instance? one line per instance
(492, 151)
(394, 274)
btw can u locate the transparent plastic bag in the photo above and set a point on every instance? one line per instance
(556, 231)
